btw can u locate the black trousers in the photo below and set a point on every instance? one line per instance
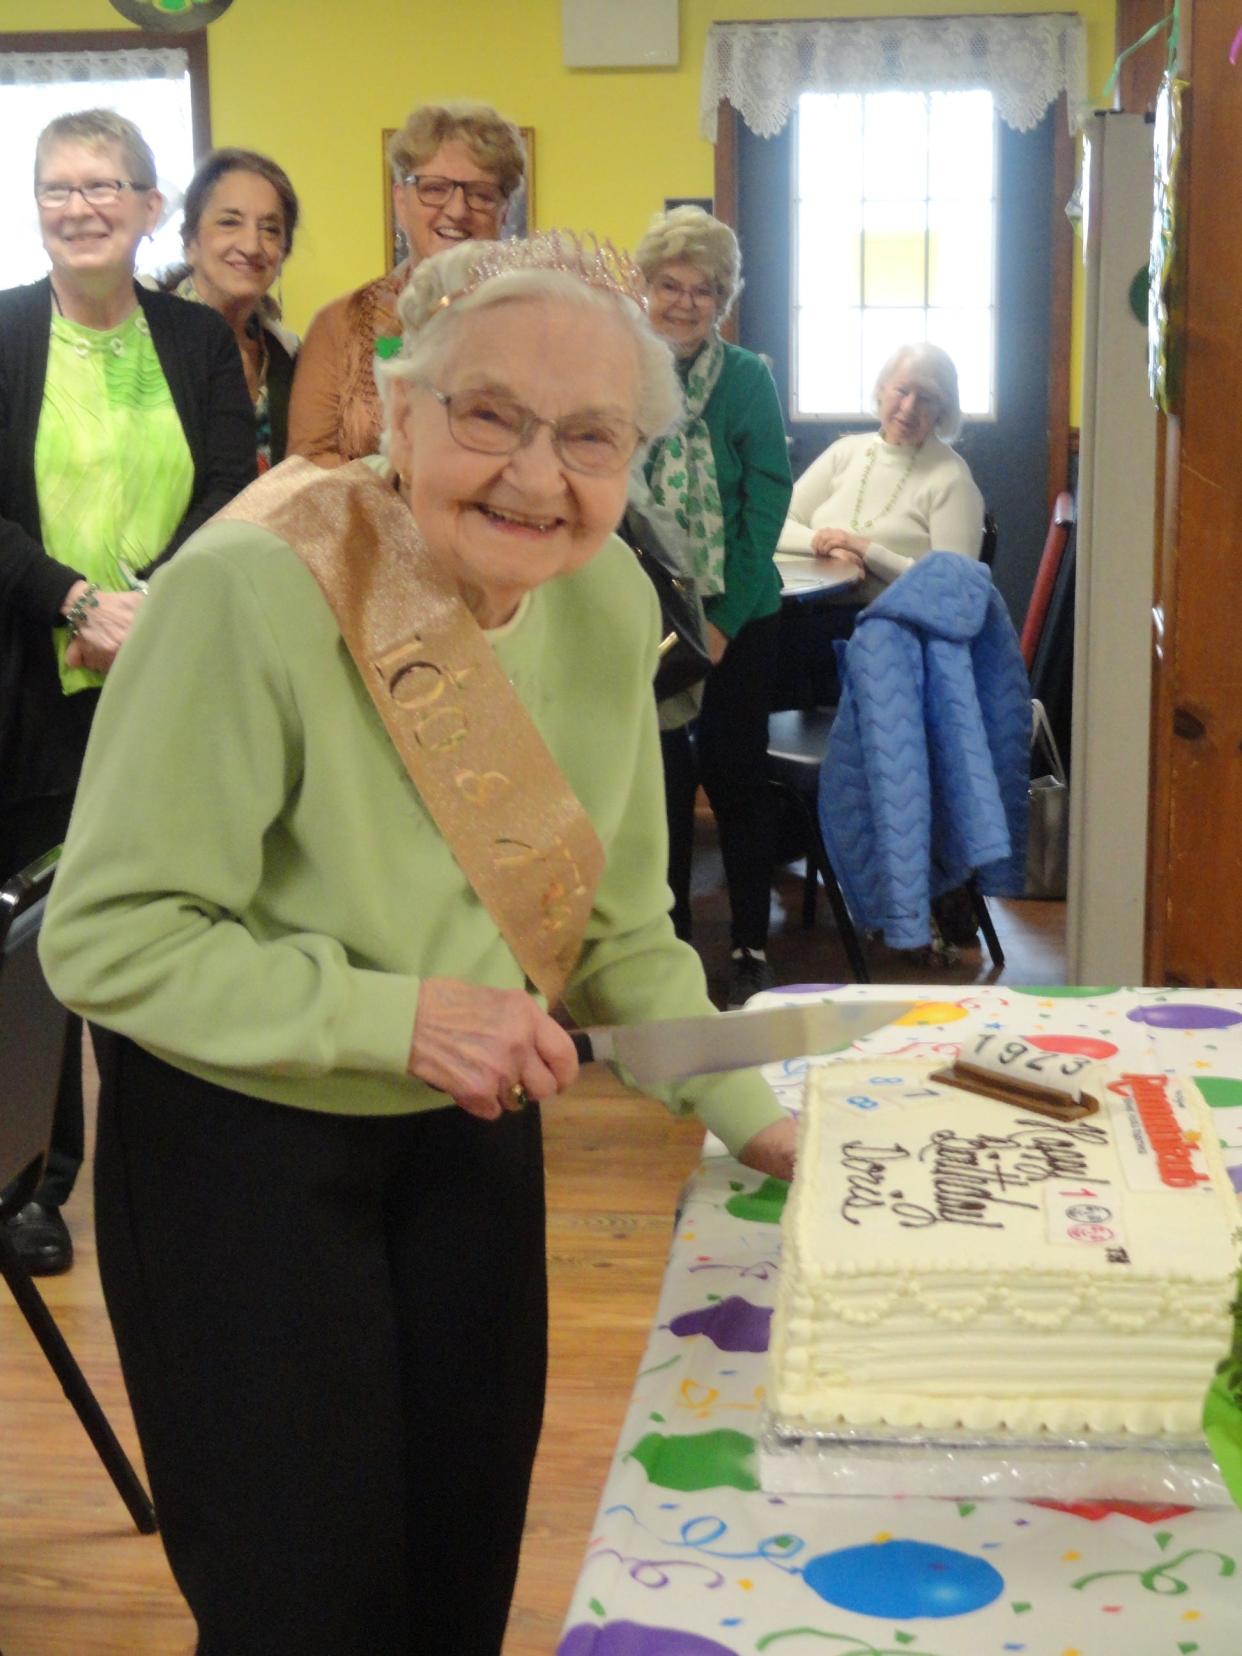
(27, 830)
(730, 744)
(333, 1333)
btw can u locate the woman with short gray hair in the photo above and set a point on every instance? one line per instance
(725, 475)
(882, 500)
(125, 425)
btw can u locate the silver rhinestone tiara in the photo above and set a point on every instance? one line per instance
(597, 263)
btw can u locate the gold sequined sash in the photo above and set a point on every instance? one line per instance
(513, 823)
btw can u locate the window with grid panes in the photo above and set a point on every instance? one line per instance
(895, 225)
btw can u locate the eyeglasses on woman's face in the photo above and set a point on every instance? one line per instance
(701, 295)
(486, 422)
(97, 192)
(434, 191)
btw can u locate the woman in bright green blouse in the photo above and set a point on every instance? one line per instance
(125, 425)
(725, 474)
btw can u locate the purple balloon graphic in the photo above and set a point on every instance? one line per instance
(903, 1579)
(629, 1639)
(1184, 1015)
(733, 1325)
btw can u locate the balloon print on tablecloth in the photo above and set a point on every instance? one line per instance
(902, 1579)
(1179, 1014)
(733, 1325)
(1074, 1046)
(1222, 1092)
(626, 1638)
(930, 1012)
(1064, 991)
(763, 1206)
(702, 1460)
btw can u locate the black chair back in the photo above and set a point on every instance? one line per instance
(32, 1033)
(987, 550)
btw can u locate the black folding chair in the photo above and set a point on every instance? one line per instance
(32, 1028)
(796, 744)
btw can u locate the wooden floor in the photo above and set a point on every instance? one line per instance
(77, 1580)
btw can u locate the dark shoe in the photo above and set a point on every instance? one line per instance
(750, 974)
(41, 1239)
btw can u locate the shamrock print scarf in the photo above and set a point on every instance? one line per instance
(683, 473)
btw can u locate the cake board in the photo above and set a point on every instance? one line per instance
(798, 1459)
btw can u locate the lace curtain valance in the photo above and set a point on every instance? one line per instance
(763, 68)
(49, 68)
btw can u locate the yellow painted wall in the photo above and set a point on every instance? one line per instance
(313, 82)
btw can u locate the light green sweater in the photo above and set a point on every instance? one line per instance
(252, 888)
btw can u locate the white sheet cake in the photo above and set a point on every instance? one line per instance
(953, 1261)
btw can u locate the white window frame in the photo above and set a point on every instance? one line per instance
(866, 416)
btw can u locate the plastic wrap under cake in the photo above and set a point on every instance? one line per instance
(796, 1459)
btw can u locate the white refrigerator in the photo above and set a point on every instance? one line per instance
(1114, 583)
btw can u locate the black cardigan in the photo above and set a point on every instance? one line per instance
(42, 731)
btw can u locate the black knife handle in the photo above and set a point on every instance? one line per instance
(582, 1046)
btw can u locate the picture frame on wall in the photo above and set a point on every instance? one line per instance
(519, 218)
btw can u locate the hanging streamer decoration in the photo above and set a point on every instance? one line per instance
(1165, 321)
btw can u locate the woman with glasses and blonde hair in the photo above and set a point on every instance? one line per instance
(455, 167)
(725, 475)
(125, 425)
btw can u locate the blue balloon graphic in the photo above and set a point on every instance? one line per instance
(899, 1580)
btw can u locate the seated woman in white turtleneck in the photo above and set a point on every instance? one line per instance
(883, 500)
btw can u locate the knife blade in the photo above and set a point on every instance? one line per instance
(672, 1049)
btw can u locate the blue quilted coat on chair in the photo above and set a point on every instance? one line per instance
(924, 780)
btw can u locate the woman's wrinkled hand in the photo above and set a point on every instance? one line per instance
(773, 1150)
(478, 1044)
(717, 644)
(842, 544)
(103, 630)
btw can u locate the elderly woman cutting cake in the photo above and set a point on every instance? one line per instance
(388, 753)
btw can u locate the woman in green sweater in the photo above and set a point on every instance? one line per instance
(381, 749)
(725, 473)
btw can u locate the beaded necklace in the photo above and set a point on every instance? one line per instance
(892, 499)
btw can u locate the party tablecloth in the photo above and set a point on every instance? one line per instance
(688, 1557)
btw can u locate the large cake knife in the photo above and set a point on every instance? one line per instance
(671, 1049)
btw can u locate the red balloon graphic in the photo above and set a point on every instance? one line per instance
(1080, 1046)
